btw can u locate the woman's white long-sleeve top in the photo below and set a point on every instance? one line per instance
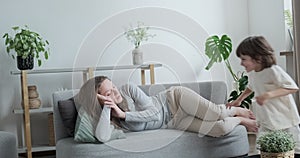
(144, 112)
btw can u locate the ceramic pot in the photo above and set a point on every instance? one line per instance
(32, 92)
(137, 56)
(288, 154)
(25, 63)
(34, 103)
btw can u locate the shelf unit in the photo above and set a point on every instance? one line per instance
(32, 111)
(289, 62)
(87, 73)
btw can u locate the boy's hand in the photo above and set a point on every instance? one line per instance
(261, 99)
(233, 103)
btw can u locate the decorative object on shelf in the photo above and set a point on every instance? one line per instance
(218, 50)
(137, 56)
(27, 45)
(136, 35)
(33, 95)
(276, 144)
(32, 92)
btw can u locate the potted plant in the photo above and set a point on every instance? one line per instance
(27, 45)
(218, 50)
(289, 22)
(137, 35)
(275, 144)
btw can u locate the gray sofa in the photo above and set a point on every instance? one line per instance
(156, 143)
(8, 145)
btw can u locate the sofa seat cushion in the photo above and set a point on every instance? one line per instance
(160, 143)
(8, 145)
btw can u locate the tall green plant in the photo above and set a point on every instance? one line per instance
(218, 50)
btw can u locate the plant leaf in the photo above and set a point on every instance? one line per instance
(217, 49)
(39, 62)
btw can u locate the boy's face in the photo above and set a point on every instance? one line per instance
(249, 63)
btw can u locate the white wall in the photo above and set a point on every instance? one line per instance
(269, 23)
(72, 26)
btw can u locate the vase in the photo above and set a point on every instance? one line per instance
(137, 56)
(32, 92)
(33, 97)
(34, 103)
(25, 63)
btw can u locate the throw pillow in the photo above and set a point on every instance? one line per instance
(84, 131)
(68, 114)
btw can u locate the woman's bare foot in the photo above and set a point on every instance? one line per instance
(246, 113)
(250, 124)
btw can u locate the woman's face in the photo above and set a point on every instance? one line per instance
(249, 63)
(108, 89)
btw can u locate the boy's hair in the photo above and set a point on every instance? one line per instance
(259, 49)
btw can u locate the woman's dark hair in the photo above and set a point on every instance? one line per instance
(259, 49)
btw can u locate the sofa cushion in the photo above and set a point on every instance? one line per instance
(8, 145)
(160, 143)
(68, 114)
(84, 129)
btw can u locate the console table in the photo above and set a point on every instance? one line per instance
(87, 72)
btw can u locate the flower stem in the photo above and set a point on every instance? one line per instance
(235, 78)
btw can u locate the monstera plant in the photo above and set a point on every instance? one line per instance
(218, 50)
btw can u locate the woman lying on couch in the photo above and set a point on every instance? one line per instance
(177, 107)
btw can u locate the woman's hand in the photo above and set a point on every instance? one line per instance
(101, 99)
(115, 110)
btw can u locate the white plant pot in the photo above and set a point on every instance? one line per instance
(137, 56)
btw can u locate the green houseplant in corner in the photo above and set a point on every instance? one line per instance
(27, 45)
(276, 144)
(137, 35)
(218, 50)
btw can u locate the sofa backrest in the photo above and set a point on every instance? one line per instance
(59, 128)
(216, 91)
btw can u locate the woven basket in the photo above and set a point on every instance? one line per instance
(289, 154)
(51, 130)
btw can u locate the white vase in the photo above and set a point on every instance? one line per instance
(137, 56)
